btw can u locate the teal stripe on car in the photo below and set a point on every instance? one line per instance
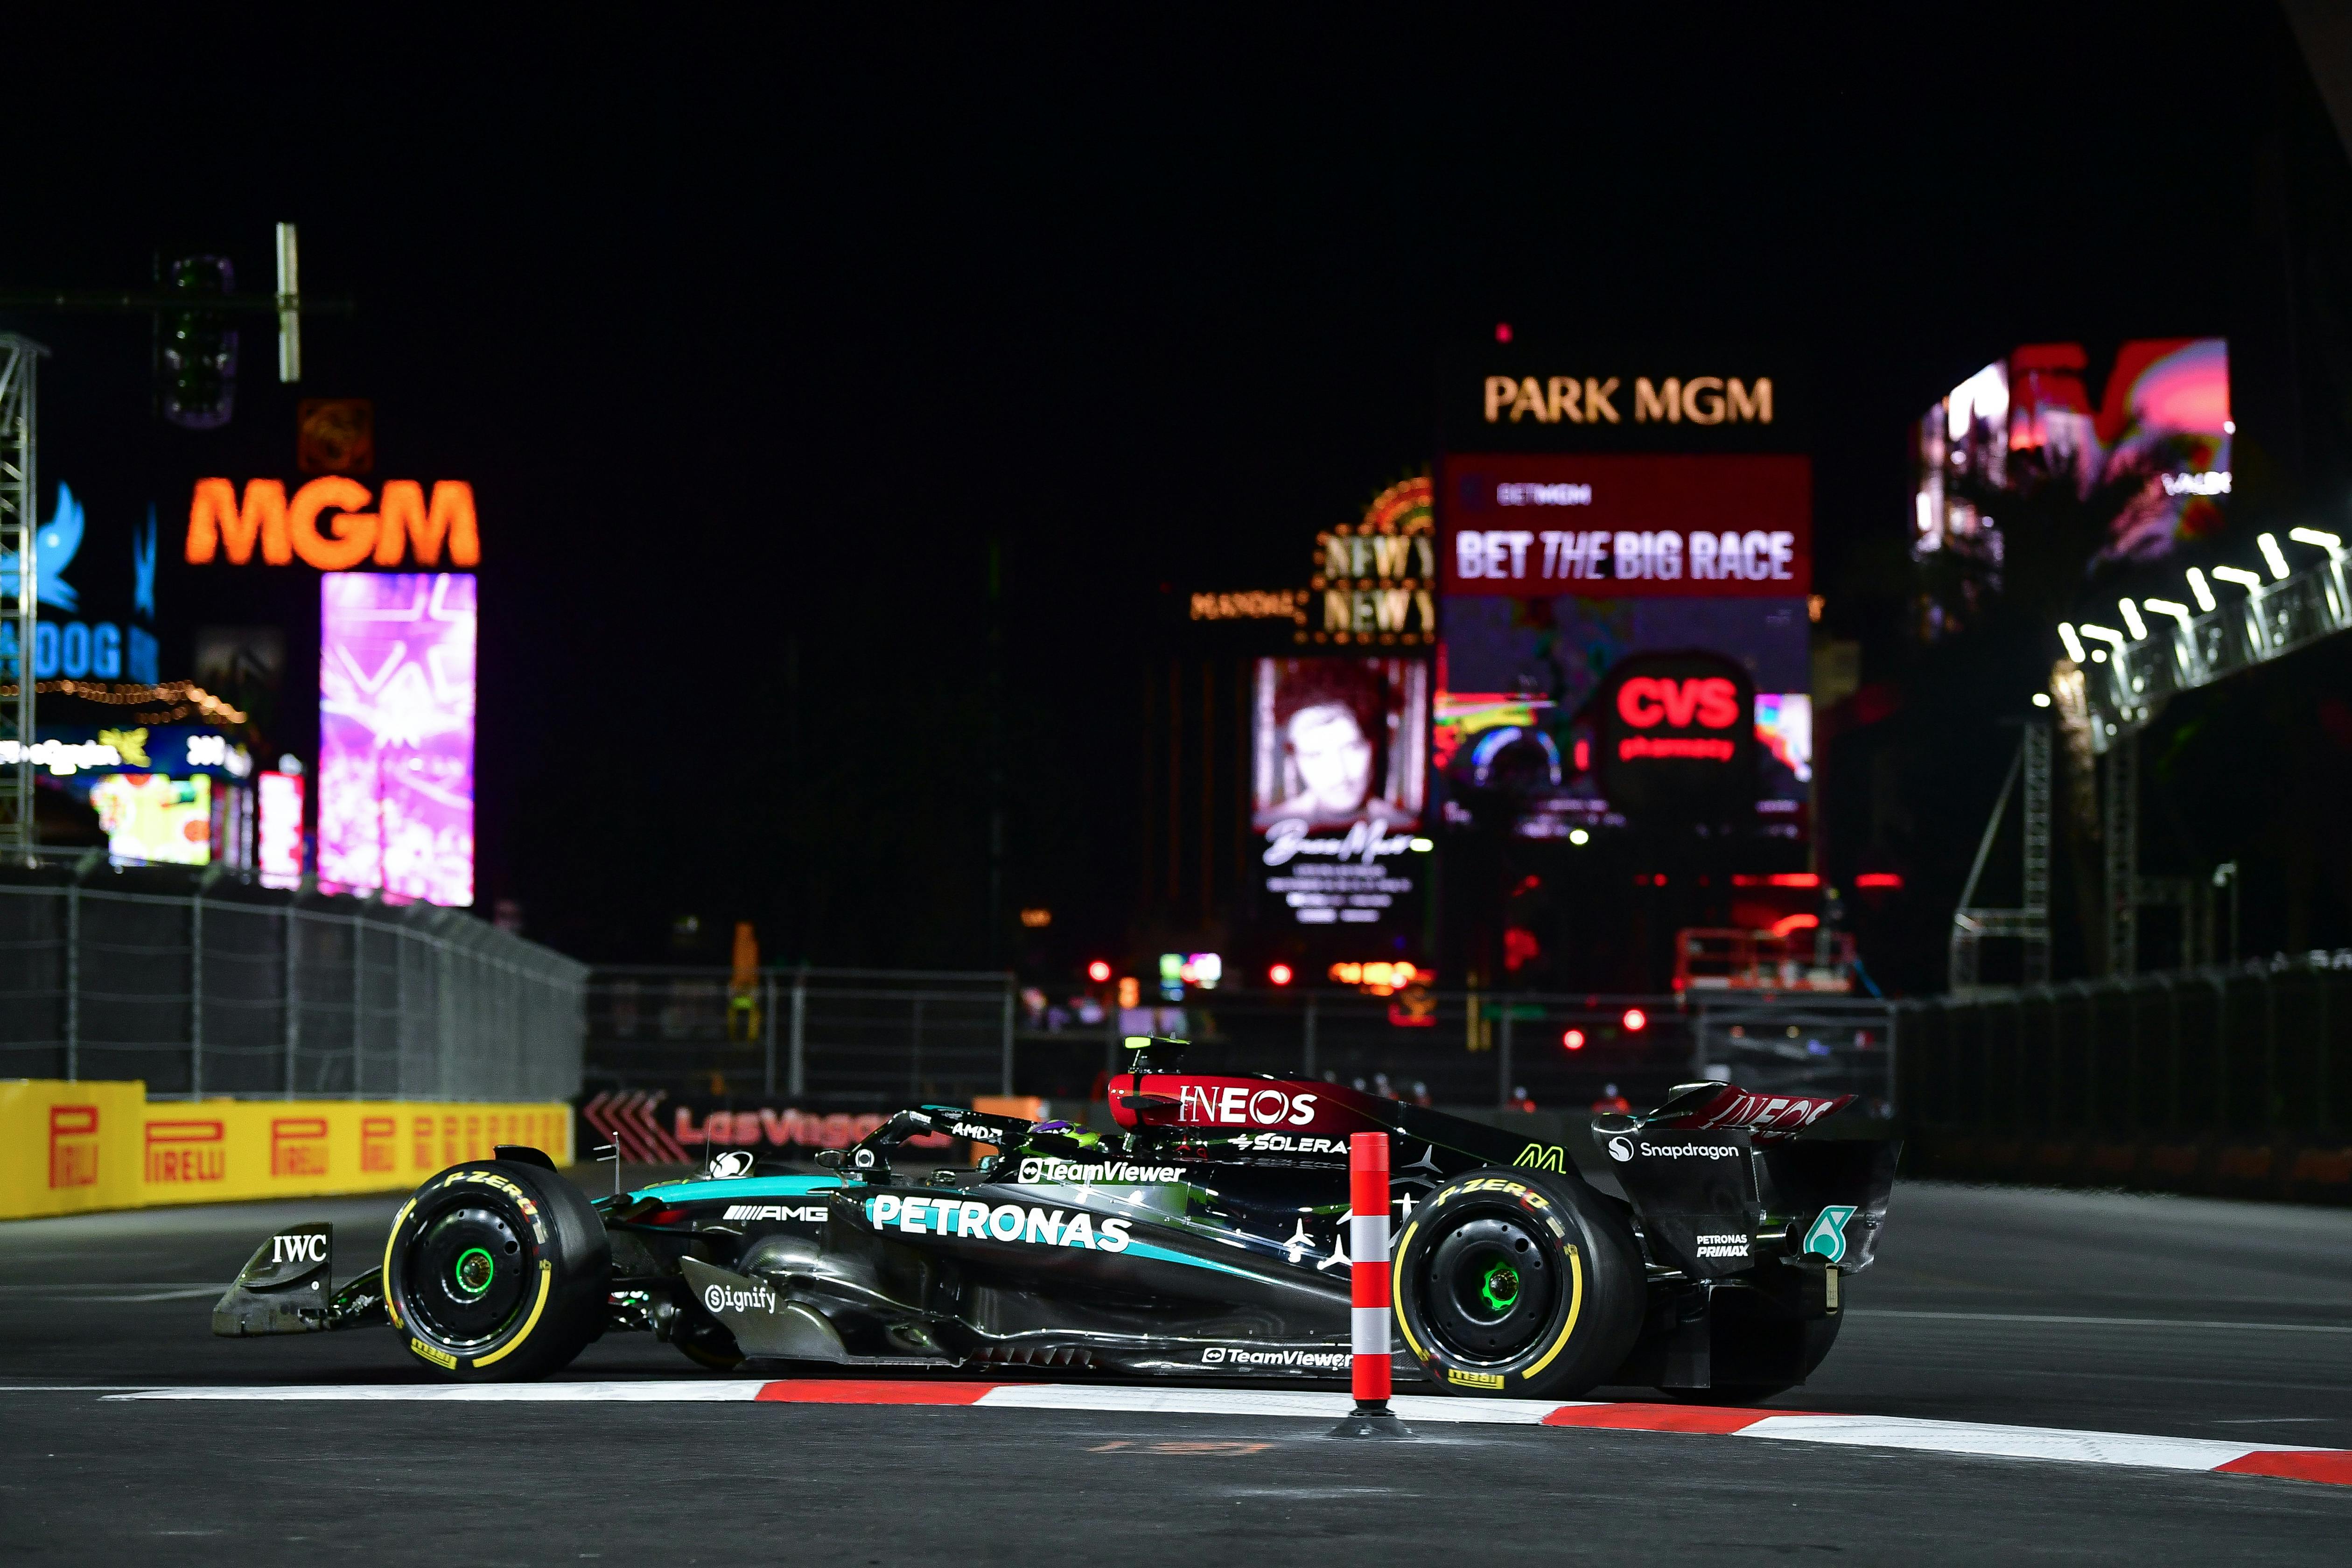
(743, 1188)
(1166, 1254)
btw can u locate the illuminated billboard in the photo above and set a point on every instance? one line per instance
(1676, 736)
(1377, 579)
(1507, 395)
(76, 649)
(150, 817)
(1561, 568)
(323, 524)
(1338, 775)
(279, 855)
(1526, 715)
(397, 734)
(2157, 442)
(1620, 526)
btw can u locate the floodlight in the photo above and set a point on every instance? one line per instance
(2273, 554)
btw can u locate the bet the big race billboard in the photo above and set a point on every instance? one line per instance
(1626, 554)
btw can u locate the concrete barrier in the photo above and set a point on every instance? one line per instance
(67, 1148)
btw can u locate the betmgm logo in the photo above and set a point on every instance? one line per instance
(1543, 1157)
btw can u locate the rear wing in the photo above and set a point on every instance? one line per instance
(1723, 1179)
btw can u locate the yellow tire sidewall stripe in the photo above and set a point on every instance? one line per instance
(391, 1308)
(546, 1283)
(1396, 1291)
(1575, 1307)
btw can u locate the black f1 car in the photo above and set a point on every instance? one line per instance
(1206, 1238)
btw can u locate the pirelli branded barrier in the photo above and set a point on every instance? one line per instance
(69, 1147)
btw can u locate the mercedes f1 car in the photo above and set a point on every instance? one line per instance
(1206, 1237)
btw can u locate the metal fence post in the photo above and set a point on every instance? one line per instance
(358, 990)
(915, 1048)
(1313, 1001)
(293, 992)
(1893, 1074)
(445, 1011)
(400, 1013)
(1502, 1059)
(796, 1077)
(196, 994)
(73, 981)
(768, 1032)
(2270, 1049)
(1006, 1015)
(2321, 1048)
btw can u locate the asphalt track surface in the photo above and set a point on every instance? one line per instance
(2169, 1316)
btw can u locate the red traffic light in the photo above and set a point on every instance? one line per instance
(1099, 972)
(1573, 1039)
(1635, 1020)
(1280, 975)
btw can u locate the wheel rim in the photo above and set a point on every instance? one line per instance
(464, 1276)
(1488, 1285)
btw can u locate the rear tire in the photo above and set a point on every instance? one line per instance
(1518, 1282)
(497, 1270)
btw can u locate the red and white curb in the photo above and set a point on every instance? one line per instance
(2328, 1465)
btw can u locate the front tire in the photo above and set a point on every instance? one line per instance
(1518, 1282)
(497, 1270)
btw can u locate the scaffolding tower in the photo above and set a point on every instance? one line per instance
(20, 593)
(2030, 919)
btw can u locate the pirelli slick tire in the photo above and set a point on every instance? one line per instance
(496, 1270)
(1516, 1282)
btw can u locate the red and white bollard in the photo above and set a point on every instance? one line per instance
(1368, 1290)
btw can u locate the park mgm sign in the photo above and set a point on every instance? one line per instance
(1603, 400)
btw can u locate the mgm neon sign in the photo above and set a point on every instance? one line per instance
(328, 524)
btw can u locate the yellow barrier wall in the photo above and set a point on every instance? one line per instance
(69, 1147)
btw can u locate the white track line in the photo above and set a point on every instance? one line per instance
(1958, 1437)
(2011, 1442)
(650, 1392)
(1258, 1402)
(2096, 1323)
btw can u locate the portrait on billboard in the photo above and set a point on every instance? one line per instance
(1338, 741)
(1338, 768)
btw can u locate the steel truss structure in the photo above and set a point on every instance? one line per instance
(20, 591)
(2029, 919)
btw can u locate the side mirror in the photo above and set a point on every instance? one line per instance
(829, 1158)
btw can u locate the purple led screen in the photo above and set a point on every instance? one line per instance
(397, 734)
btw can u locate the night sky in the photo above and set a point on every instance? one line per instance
(752, 337)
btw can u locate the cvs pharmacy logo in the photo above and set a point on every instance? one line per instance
(1712, 700)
